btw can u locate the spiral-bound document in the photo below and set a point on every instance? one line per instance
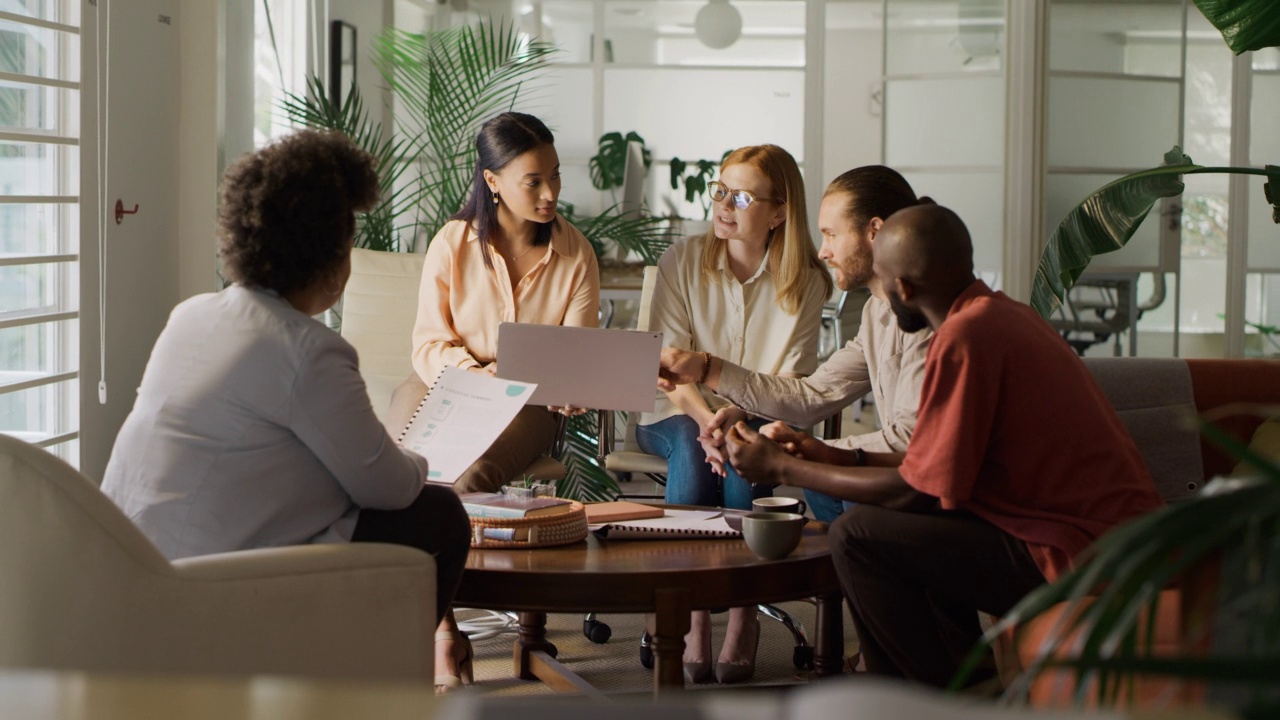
(673, 525)
(461, 416)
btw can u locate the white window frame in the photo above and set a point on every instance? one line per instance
(60, 432)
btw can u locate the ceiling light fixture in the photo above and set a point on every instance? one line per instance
(718, 24)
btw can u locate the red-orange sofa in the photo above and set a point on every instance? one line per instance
(1149, 395)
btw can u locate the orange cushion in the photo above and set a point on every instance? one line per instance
(1056, 688)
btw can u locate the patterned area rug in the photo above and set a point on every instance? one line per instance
(614, 667)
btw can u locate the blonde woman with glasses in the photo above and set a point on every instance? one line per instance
(751, 290)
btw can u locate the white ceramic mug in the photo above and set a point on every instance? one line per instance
(772, 535)
(779, 505)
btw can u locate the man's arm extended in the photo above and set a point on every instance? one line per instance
(762, 460)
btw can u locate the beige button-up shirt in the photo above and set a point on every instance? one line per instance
(461, 301)
(741, 322)
(882, 359)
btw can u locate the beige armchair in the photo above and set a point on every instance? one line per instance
(81, 588)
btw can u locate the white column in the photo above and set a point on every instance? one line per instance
(814, 114)
(1026, 90)
(1238, 204)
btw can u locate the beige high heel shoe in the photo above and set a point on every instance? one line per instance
(466, 669)
(732, 673)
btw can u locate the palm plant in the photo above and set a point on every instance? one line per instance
(450, 82)
(382, 226)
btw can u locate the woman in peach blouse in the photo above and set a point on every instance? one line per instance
(505, 257)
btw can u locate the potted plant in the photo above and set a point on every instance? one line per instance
(609, 165)
(695, 181)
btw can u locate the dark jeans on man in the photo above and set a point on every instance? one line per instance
(915, 582)
(435, 523)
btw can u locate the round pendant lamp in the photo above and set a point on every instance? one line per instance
(718, 24)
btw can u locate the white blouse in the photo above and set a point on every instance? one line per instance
(740, 322)
(253, 428)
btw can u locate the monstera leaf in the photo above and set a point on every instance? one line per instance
(609, 165)
(1106, 220)
(1244, 24)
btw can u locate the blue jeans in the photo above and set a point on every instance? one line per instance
(690, 480)
(824, 507)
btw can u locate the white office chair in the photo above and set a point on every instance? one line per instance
(378, 314)
(630, 459)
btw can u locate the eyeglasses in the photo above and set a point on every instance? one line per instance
(742, 199)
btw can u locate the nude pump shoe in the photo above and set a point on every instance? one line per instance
(466, 667)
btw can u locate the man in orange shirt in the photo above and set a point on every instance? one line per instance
(1018, 463)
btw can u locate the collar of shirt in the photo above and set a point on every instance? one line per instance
(723, 265)
(977, 289)
(559, 238)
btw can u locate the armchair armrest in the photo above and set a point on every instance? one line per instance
(300, 560)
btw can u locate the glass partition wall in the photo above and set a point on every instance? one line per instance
(926, 86)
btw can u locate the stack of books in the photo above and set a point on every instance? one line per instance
(497, 505)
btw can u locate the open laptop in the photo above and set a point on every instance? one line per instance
(584, 367)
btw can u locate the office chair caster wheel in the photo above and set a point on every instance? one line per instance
(646, 652)
(802, 657)
(596, 631)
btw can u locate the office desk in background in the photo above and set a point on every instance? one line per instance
(618, 282)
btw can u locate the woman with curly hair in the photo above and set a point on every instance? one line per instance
(252, 427)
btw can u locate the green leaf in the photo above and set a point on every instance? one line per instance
(608, 165)
(644, 235)
(1103, 223)
(450, 83)
(382, 227)
(677, 172)
(585, 479)
(1108, 218)
(1244, 24)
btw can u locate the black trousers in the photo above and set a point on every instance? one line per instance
(434, 523)
(915, 582)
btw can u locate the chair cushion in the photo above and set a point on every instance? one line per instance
(1154, 400)
(1265, 442)
(379, 309)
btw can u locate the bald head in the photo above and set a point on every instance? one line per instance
(924, 257)
(927, 245)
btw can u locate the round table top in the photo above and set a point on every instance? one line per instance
(622, 575)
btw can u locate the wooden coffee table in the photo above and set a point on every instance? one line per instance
(669, 578)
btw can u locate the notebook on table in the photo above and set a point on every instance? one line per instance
(591, 368)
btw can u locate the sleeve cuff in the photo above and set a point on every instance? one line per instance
(732, 379)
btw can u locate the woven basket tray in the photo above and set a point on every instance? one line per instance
(561, 529)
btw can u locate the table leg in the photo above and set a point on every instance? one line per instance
(829, 651)
(670, 625)
(533, 636)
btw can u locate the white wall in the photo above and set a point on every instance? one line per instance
(142, 252)
(368, 17)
